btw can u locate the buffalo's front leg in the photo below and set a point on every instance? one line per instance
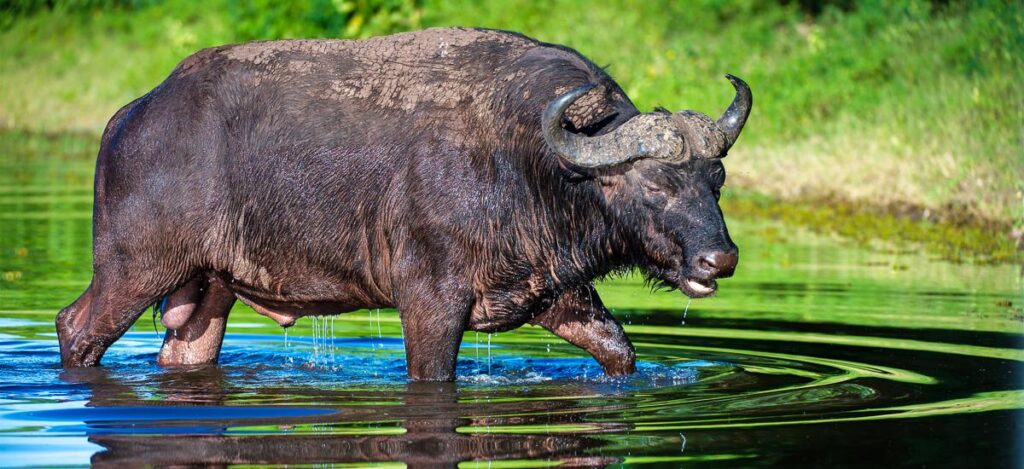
(434, 310)
(579, 317)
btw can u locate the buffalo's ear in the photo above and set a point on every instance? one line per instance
(602, 125)
(575, 173)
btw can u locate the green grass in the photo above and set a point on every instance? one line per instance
(898, 104)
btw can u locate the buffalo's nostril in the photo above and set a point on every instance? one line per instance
(719, 263)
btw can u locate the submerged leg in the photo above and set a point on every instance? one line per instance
(579, 317)
(104, 312)
(198, 339)
(69, 321)
(434, 311)
(433, 333)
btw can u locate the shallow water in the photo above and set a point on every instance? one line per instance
(816, 352)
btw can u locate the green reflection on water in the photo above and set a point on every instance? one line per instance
(981, 402)
(857, 341)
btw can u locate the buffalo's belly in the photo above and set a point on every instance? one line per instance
(288, 300)
(286, 313)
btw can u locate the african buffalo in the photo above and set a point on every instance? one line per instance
(472, 179)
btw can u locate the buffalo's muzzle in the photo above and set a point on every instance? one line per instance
(717, 264)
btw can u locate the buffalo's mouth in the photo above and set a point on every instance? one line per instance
(698, 288)
(691, 286)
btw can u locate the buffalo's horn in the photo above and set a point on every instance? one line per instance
(618, 146)
(732, 121)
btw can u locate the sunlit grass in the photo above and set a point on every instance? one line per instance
(906, 102)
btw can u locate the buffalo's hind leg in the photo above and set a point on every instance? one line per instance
(579, 317)
(197, 339)
(69, 320)
(104, 312)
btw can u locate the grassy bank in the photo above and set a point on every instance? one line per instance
(886, 228)
(907, 104)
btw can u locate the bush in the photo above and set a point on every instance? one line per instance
(272, 19)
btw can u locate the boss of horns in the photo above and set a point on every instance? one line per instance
(673, 137)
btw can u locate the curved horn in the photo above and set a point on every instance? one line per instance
(735, 117)
(582, 151)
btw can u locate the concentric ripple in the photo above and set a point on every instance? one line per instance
(322, 399)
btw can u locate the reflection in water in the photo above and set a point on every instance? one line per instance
(815, 353)
(417, 426)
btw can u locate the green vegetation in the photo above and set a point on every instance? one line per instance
(873, 104)
(892, 228)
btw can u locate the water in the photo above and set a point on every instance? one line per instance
(817, 352)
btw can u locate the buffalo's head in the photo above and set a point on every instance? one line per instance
(661, 174)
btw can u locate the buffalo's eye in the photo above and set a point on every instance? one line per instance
(653, 190)
(661, 193)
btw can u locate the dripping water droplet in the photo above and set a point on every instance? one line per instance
(476, 348)
(380, 336)
(373, 345)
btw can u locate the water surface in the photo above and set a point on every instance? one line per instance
(816, 352)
